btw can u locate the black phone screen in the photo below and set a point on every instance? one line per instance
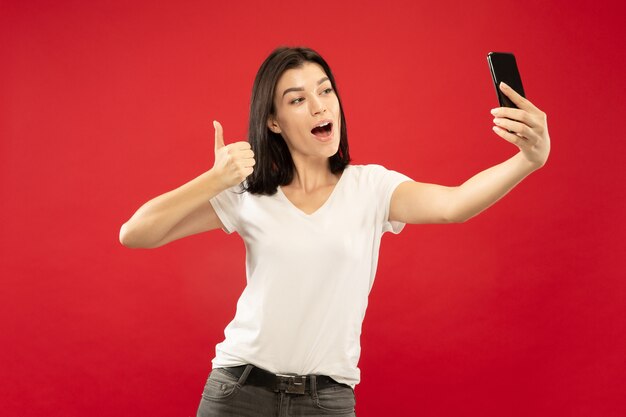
(504, 68)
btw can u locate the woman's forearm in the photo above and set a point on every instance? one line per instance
(155, 218)
(488, 186)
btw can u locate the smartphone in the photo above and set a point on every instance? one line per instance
(503, 67)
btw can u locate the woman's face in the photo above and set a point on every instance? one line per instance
(305, 98)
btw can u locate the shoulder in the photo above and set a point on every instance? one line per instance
(231, 197)
(377, 179)
(370, 173)
(364, 171)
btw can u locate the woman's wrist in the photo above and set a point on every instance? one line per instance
(527, 165)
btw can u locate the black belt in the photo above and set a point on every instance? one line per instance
(291, 384)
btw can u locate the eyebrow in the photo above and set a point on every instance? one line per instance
(302, 88)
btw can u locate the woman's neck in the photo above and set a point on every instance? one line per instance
(312, 174)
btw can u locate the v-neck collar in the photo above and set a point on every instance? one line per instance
(324, 205)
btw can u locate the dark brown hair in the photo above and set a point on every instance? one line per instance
(274, 165)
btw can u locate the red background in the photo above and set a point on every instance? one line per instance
(104, 105)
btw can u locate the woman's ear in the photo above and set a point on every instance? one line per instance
(273, 125)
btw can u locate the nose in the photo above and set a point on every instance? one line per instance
(317, 106)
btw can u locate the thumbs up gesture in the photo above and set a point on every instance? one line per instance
(233, 162)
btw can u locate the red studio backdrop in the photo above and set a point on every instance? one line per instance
(104, 105)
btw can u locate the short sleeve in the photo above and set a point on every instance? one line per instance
(387, 181)
(227, 207)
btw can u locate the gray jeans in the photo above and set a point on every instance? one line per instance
(225, 395)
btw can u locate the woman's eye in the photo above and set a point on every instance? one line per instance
(299, 99)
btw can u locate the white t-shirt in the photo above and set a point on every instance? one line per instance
(308, 276)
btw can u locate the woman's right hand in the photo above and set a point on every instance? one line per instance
(233, 162)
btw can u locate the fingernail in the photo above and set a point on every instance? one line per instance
(504, 84)
(214, 127)
(494, 111)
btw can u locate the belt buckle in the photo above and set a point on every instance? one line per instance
(294, 383)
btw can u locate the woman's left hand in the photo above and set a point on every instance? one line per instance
(528, 124)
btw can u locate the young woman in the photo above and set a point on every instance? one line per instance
(312, 225)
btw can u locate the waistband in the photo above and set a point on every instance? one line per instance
(291, 384)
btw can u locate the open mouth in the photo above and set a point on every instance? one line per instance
(323, 131)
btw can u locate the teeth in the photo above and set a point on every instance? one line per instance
(323, 124)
